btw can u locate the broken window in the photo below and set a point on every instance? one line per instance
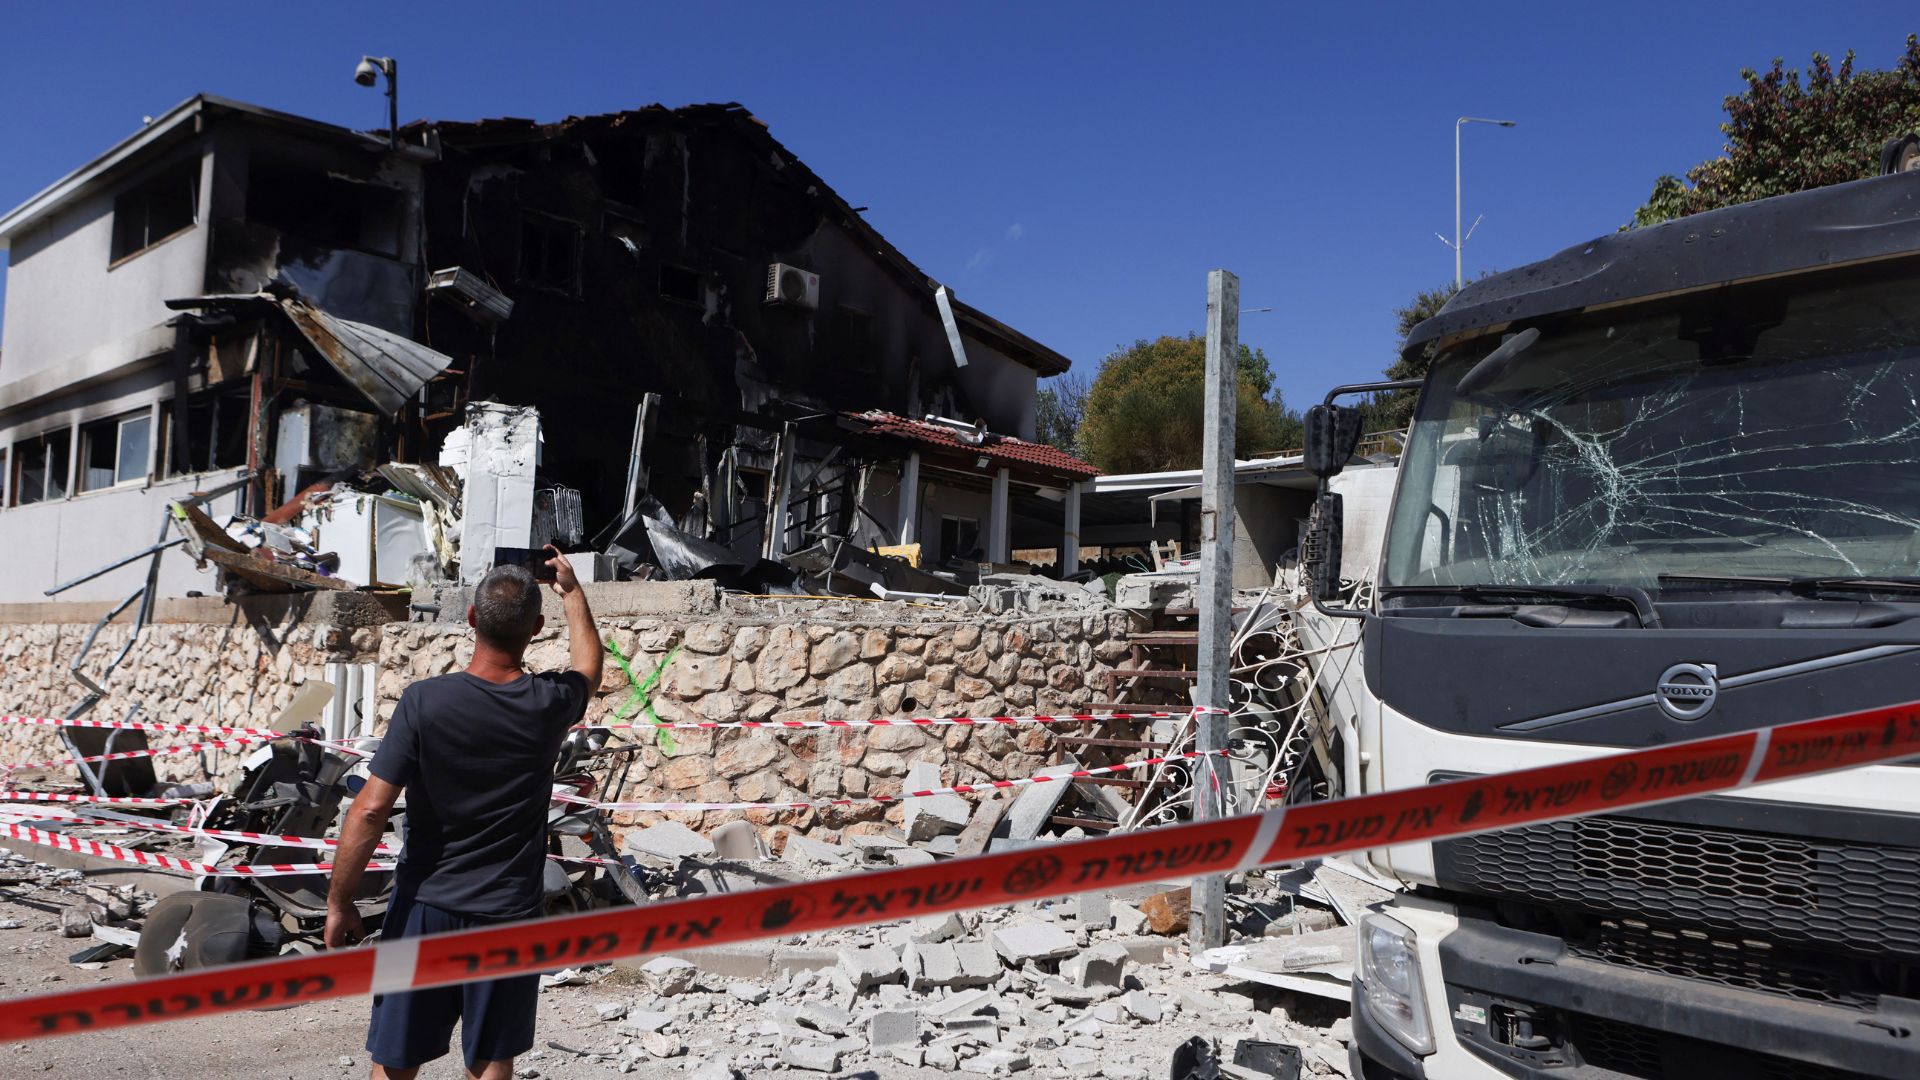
(40, 467)
(1769, 431)
(851, 337)
(679, 283)
(114, 452)
(959, 538)
(215, 433)
(155, 209)
(323, 207)
(550, 252)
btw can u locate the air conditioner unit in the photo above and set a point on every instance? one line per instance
(792, 285)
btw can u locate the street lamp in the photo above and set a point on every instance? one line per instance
(367, 73)
(1460, 242)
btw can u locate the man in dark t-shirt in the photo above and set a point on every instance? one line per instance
(474, 752)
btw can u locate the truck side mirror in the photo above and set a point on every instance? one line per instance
(1321, 552)
(1333, 431)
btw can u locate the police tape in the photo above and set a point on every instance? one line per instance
(957, 789)
(104, 800)
(145, 752)
(137, 857)
(1310, 830)
(239, 836)
(919, 721)
(141, 725)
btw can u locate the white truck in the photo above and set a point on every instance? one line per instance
(1659, 486)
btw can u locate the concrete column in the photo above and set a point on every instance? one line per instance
(909, 529)
(1214, 598)
(998, 521)
(1070, 536)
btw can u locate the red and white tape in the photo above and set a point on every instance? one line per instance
(133, 725)
(238, 836)
(147, 752)
(116, 853)
(957, 789)
(920, 721)
(103, 800)
(1432, 812)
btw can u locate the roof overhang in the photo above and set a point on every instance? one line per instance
(176, 124)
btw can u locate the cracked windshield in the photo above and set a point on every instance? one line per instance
(1752, 432)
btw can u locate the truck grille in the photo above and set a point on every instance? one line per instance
(1760, 886)
(1646, 1054)
(1729, 960)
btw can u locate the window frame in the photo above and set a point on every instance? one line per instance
(549, 225)
(117, 424)
(47, 440)
(959, 519)
(189, 168)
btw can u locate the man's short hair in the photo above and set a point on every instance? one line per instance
(506, 606)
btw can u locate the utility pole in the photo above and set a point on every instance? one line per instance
(1460, 242)
(1215, 597)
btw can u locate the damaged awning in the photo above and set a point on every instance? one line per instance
(387, 368)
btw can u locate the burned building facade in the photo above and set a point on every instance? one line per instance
(240, 301)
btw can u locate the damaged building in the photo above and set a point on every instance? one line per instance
(243, 302)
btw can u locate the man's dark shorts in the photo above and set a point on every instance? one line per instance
(411, 1029)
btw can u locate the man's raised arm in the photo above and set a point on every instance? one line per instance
(583, 637)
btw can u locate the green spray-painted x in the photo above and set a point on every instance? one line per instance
(641, 693)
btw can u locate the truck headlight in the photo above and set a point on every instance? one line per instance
(1390, 982)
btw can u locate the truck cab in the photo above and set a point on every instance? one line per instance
(1660, 486)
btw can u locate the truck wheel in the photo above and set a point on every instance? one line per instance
(191, 930)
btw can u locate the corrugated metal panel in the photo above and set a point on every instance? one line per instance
(387, 368)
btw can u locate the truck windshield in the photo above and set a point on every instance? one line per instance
(1771, 430)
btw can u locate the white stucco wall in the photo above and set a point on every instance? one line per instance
(50, 542)
(67, 311)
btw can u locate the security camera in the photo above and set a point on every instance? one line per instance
(366, 74)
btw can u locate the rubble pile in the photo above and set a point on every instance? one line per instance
(102, 919)
(1072, 988)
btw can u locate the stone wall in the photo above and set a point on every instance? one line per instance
(742, 659)
(757, 662)
(231, 674)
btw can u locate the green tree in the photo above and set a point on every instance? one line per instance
(1784, 135)
(1144, 410)
(1394, 409)
(1057, 410)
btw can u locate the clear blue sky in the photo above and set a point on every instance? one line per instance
(1070, 168)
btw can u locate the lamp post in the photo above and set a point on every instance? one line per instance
(367, 73)
(1460, 242)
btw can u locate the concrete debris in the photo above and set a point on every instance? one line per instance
(806, 851)
(932, 815)
(814, 1057)
(1127, 919)
(668, 842)
(1168, 912)
(76, 922)
(871, 966)
(891, 1028)
(1032, 941)
(1102, 965)
(662, 1045)
(668, 975)
(1033, 809)
(738, 841)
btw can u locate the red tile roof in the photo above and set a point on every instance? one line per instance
(1001, 449)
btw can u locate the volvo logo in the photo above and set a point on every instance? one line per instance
(1687, 691)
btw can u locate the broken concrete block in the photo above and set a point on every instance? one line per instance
(661, 1045)
(1127, 919)
(1032, 941)
(814, 1057)
(911, 1056)
(893, 1027)
(610, 1010)
(668, 842)
(974, 1029)
(1067, 993)
(75, 922)
(933, 928)
(640, 1022)
(954, 1006)
(822, 1017)
(931, 965)
(738, 841)
(1168, 912)
(908, 856)
(1079, 1059)
(942, 1058)
(987, 818)
(750, 993)
(1094, 911)
(979, 963)
(1145, 950)
(871, 966)
(714, 1069)
(945, 847)
(1102, 965)
(931, 815)
(1037, 802)
(1141, 1007)
(668, 975)
(802, 851)
(1109, 1013)
(997, 1063)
